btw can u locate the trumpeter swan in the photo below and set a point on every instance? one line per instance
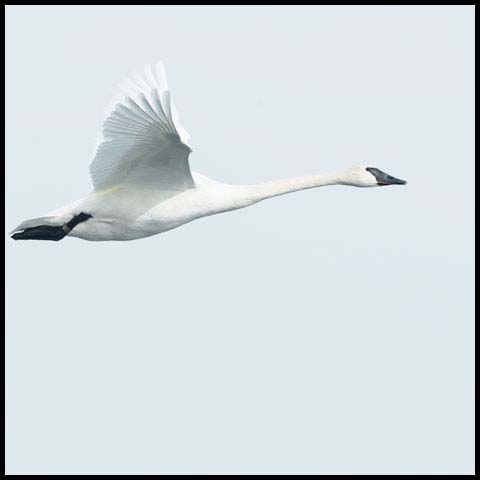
(142, 183)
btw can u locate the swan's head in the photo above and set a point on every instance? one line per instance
(365, 176)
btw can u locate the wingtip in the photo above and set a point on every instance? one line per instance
(160, 63)
(161, 75)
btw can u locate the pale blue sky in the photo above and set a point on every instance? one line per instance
(327, 331)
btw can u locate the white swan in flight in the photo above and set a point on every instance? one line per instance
(142, 183)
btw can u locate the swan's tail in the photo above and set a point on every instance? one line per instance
(47, 228)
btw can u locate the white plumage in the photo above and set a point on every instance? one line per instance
(142, 143)
(142, 183)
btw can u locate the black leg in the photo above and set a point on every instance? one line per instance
(49, 232)
(43, 232)
(81, 217)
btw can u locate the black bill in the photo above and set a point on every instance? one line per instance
(384, 178)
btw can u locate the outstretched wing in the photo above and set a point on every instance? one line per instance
(142, 143)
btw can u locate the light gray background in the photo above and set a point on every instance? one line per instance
(328, 331)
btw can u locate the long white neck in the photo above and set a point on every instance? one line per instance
(222, 197)
(261, 191)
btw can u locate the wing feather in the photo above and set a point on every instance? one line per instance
(142, 143)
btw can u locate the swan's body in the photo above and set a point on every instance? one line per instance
(142, 181)
(122, 213)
